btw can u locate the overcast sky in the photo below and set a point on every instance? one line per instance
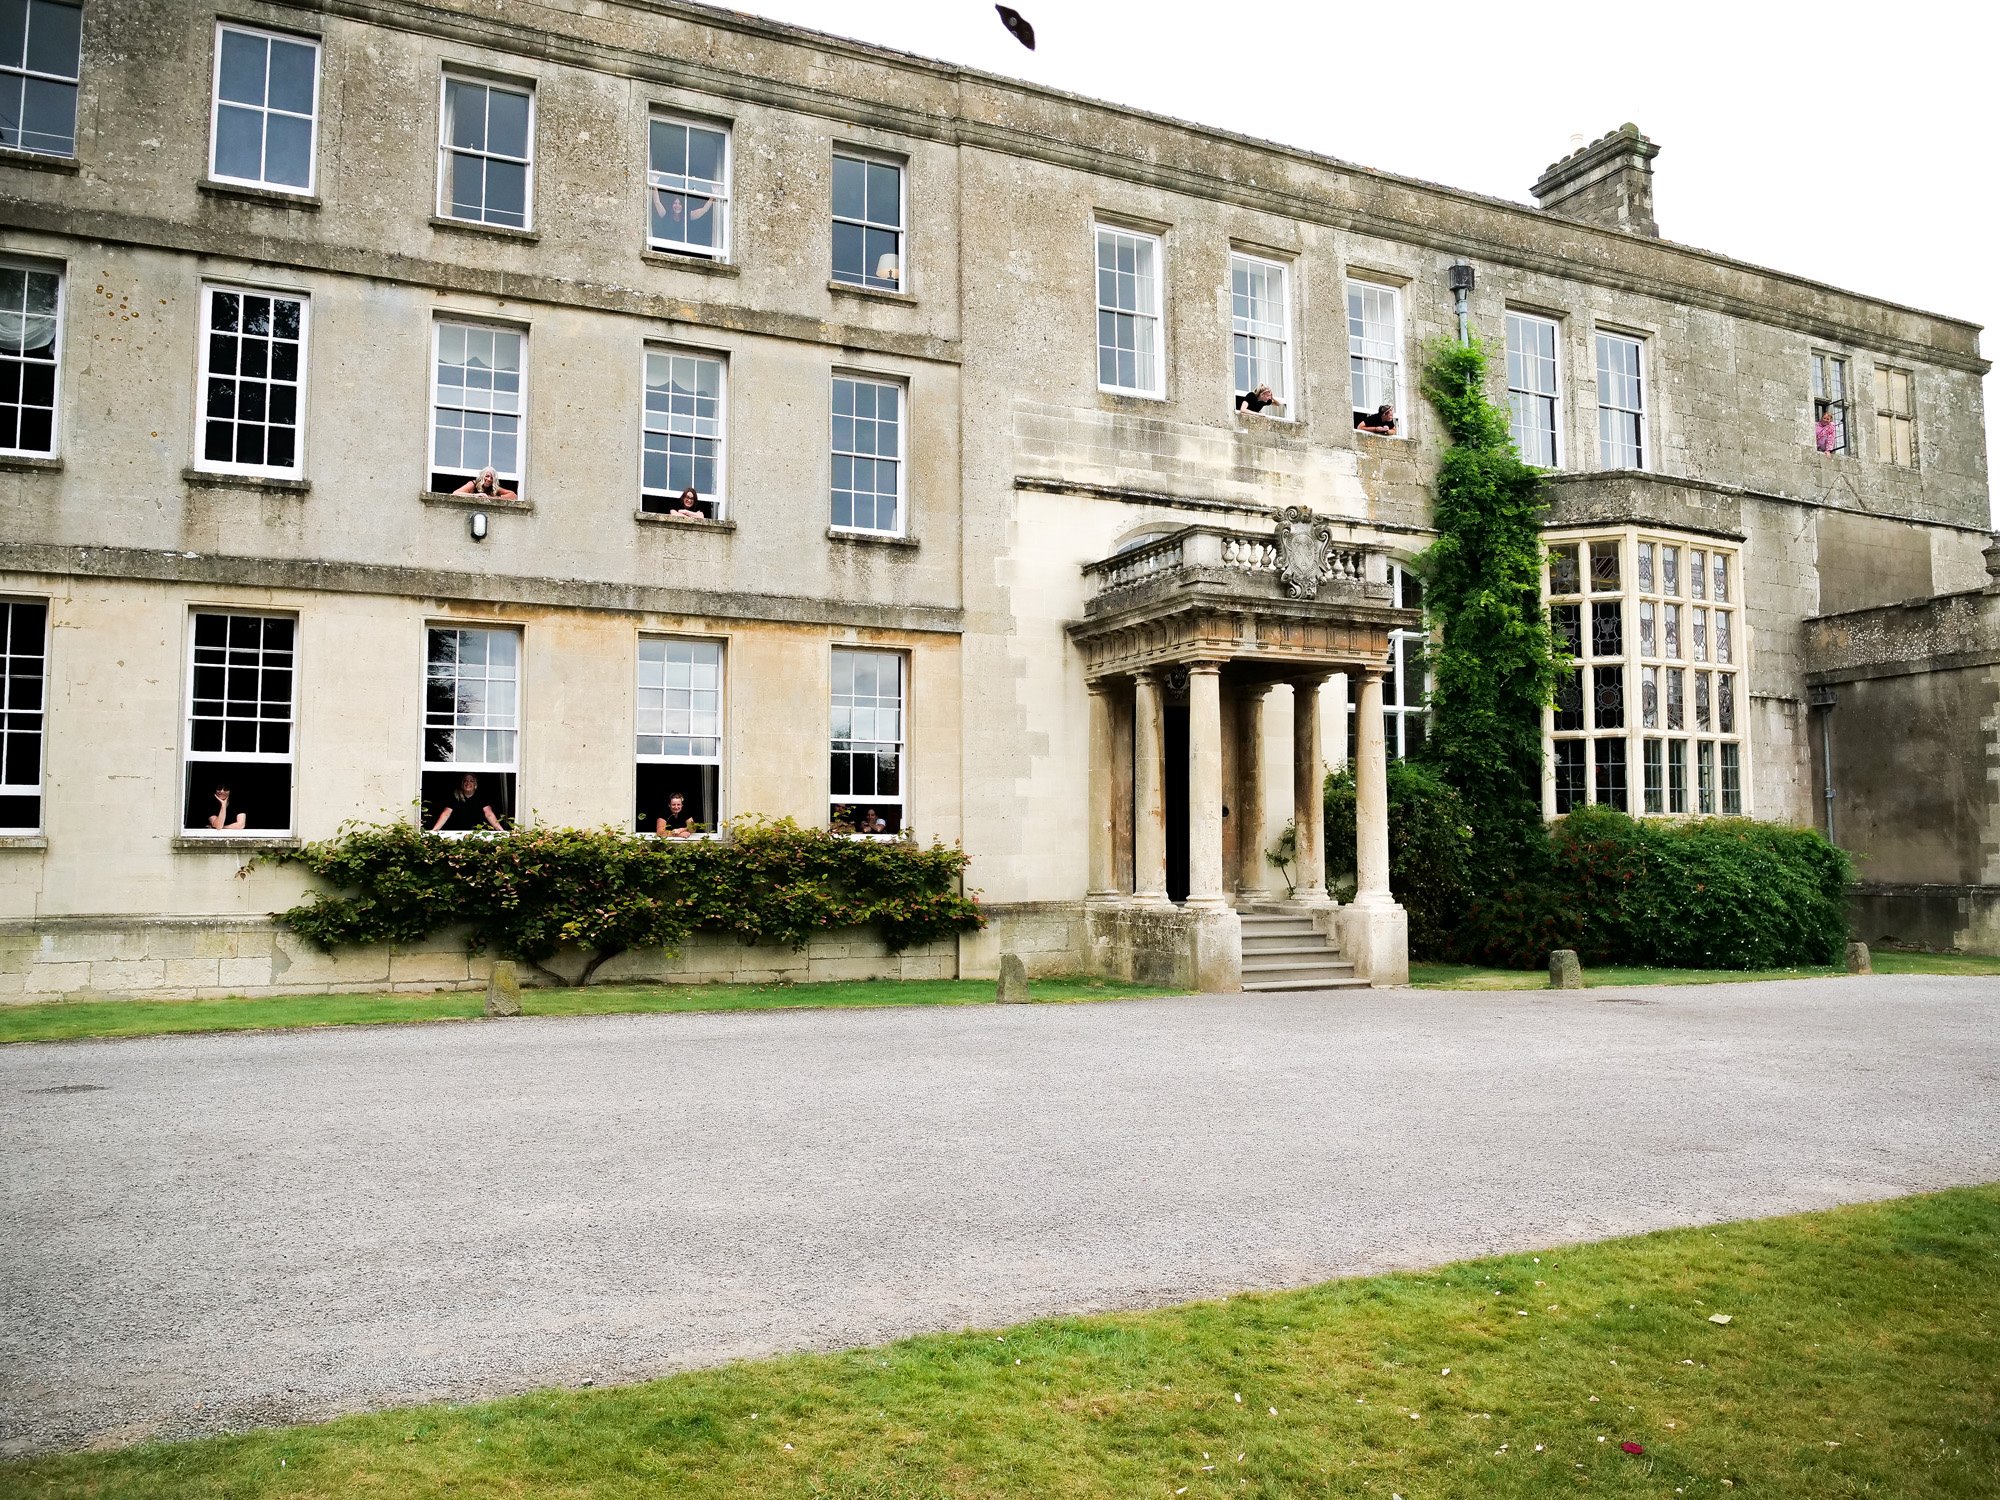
(1850, 143)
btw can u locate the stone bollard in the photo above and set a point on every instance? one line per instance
(1565, 973)
(1013, 988)
(1858, 961)
(503, 991)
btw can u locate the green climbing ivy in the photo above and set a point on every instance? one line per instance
(1495, 664)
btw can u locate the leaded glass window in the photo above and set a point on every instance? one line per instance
(1895, 417)
(1628, 699)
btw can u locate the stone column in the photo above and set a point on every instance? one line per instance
(1205, 785)
(1308, 791)
(1250, 868)
(1149, 814)
(1371, 797)
(1103, 863)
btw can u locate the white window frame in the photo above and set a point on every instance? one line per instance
(439, 322)
(41, 716)
(1394, 343)
(901, 799)
(61, 274)
(1639, 587)
(1286, 388)
(900, 458)
(1554, 395)
(716, 760)
(647, 419)
(869, 281)
(718, 253)
(1155, 316)
(446, 150)
(215, 102)
(190, 755)
(1644, 376)
(74, 80)
(297, 468)
(426, 766)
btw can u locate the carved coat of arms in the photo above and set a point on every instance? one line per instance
(1302, 543)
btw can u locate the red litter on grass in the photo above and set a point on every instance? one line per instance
(1633, 1447)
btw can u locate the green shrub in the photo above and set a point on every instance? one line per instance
(530, 893)
(1430, 850)
(1718, 893)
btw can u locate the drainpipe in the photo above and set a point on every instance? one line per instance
(1459, 279)
(1822, 699)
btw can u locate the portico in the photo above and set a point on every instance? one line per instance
(1184, 637)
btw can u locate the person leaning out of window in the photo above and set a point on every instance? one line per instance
(676, 822)
(1381, 421)
(467, 809)
(221, 820)
(1257, 400)
(488, 485)
(1826, 434)
(688, 507)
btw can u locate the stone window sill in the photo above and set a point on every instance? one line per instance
(872, 293)
(871, 538)
(24, 841)
(1247, 418)
(34, 161)
(277, 197)
(1129, 400)
(473, 226)
(209, 479)
(28, 463)
(235, 843)
(695, 263)
(1382, 437)
(681, 523)
(478, 502)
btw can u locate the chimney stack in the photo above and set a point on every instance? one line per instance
(1608, 183)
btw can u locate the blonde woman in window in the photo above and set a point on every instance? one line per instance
(488, 485)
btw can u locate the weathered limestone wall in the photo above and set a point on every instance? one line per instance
(187, 958)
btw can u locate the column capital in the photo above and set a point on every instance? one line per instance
(1205, 668)
(1313, 679)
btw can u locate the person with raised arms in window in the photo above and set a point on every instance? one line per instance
(1381, 421)
(487, 485)
(467, 808)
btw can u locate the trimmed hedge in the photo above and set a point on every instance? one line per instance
(1430, 850)
(529, 893)
(1718, 893)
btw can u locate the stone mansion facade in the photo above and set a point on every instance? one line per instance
(867, 447)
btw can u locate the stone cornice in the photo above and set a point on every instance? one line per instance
(470, 588)
(1504, 235)
(453, 276)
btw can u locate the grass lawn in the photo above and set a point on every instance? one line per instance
(1474, 977)
(1861, 1357)
(67, 1020)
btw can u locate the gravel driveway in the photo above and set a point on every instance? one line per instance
(208, 1232)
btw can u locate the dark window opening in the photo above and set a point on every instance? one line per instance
(259, 794)
(696, 786)
(464, 807)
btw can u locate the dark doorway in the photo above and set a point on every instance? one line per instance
(1174, 792)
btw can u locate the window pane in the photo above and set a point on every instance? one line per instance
(240, 72)
(293, 65)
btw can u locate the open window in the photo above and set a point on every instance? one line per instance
(867, 783)
(30, 357)
(1375, 357)
(472, 724)
(683, 439)
(680, 737)
(477, 398)
(242, 692)
(24, 630)
(687, 188)
(1260, 326)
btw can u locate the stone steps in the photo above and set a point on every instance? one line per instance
(1285, 951)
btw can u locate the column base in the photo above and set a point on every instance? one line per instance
(1194, 949)
(1375, 938)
